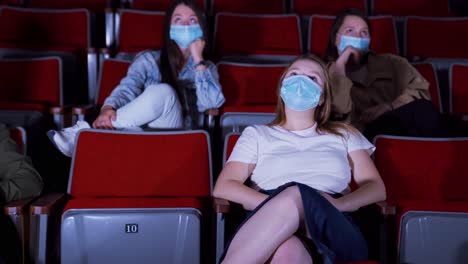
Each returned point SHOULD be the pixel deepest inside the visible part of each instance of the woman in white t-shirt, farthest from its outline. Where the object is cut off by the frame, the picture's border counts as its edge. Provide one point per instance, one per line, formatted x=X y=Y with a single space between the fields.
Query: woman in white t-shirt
x=300 y=166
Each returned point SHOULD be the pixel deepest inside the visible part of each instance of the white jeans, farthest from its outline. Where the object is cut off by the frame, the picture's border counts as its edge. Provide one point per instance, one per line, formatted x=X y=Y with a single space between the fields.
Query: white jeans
x=158 y=107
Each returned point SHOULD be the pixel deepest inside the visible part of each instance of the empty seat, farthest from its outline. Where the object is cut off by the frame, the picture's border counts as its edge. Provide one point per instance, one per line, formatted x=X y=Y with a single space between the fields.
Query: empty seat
x=11 y=2
x=249 y=6
x=33 y=85
x=325 y=7
x=97 y=9
x=112 y=72
x=426 y=180
x=384 y=36
x=44 y=32
x=458 y=96
x=158 y=5
x=144 y=207
x=410 y=8
x=250 y=92
x=273 y=36
x=444 y=38
x=138 y=31
x=428 y=71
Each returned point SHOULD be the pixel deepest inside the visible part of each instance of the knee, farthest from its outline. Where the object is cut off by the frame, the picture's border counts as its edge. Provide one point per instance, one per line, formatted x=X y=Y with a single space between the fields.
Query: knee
x=291 y=251
x=161 y=90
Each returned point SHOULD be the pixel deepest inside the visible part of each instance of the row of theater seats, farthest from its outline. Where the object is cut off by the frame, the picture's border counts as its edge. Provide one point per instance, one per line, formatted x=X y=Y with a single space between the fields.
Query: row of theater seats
x=67 y=34
x=151 y=200
x=303 y=7
x=43 y=89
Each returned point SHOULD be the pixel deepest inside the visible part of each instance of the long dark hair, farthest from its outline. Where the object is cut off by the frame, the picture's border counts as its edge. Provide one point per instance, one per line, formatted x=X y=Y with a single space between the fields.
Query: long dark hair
x=172 y=60
x=322 y=111
x=331 y=53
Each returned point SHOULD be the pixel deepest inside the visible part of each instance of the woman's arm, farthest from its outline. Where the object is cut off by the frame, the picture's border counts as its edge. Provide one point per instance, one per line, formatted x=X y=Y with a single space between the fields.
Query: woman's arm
x=371 y=187
x=230 y=185
x=209 y=93
x=340 y=84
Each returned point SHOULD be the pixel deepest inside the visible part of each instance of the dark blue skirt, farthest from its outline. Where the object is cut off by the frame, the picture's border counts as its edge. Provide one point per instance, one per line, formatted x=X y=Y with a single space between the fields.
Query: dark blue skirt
x=334 y=236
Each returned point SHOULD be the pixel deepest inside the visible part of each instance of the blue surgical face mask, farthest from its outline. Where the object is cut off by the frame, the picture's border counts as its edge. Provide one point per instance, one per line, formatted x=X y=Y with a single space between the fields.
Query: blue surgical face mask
x=361 y=44
x=185 y=34
x=300 y=93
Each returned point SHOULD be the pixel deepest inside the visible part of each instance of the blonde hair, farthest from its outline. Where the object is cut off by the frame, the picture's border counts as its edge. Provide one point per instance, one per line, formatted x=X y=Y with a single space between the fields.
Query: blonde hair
x=322 y=111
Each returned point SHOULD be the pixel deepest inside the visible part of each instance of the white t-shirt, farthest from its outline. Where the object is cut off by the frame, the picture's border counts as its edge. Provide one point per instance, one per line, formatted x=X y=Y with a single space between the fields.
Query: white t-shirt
x=281 y=156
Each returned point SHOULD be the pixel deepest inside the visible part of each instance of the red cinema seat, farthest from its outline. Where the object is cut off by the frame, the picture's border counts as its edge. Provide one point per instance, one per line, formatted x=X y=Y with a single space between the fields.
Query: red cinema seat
x=66 y=33
x=450 y=42
x=159 y=5
x=33 y=85
x=426 y=180
x=458 y=95
x=250 y=91
x=325 y=7
x=139 y=206
x=112 y=72
x=249 y=6
x=139 y=30
x=428 y=71
x=261 y=36
x=411 y=8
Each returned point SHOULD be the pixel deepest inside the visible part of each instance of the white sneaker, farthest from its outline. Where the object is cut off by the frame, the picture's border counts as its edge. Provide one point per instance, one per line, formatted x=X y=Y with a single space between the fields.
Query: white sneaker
x=64 y=139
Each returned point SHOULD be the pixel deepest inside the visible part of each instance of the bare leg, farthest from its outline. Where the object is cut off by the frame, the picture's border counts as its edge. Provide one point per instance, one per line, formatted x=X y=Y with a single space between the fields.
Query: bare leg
x=291 y=251
x=267 y=229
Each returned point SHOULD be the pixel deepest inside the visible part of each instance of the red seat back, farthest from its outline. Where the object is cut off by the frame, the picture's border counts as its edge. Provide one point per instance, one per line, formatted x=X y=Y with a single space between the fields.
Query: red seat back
x=140 y=30
x=410 y=8
x=91 y=5
x=41 y=29
x=423 y=169
x=11 y=2
x=249 y=6
x=250 y=87
x=459 y=89
x=147 y=164
x=325 y=7
x=384 y=37
x=159 y=5
x=451 y=40
x=31 y=81
x=112 y=72
x=428 y=71
x=257 y=35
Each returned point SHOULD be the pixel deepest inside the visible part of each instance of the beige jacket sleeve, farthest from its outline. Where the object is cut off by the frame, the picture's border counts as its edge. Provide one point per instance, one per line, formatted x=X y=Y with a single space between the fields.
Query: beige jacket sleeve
x=410 y=82
x=340 y=87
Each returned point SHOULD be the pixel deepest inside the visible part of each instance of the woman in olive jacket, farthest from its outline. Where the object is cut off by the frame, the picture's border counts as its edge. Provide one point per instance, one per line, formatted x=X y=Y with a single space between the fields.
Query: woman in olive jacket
x=377 y=93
